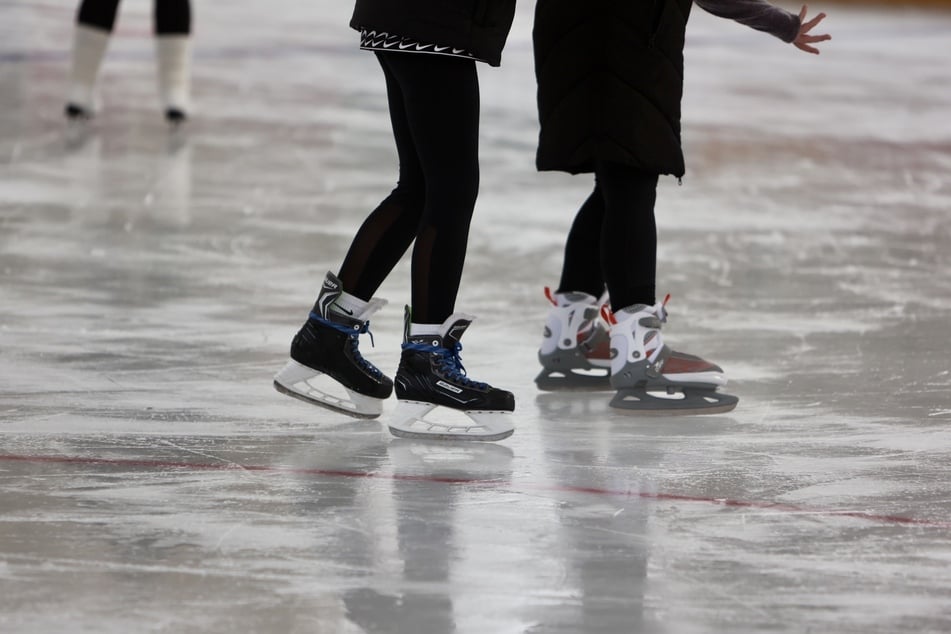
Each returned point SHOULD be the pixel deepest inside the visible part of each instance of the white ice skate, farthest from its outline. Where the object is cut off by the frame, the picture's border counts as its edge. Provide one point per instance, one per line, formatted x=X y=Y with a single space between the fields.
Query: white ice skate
x=173 y=55
x=575 y=350
x=89 y=48
x=651 y=378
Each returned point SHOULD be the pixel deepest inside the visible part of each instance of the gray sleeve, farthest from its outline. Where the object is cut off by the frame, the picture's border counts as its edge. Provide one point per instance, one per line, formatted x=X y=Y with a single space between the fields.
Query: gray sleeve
x=756 y=14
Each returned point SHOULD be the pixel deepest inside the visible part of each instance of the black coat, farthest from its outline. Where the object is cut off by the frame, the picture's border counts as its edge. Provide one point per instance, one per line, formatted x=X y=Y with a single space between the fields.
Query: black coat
x=478 y=26
x=610 y=82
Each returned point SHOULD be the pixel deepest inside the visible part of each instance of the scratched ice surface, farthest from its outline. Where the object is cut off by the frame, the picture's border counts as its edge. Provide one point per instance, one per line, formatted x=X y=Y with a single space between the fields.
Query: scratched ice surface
x=151 y=480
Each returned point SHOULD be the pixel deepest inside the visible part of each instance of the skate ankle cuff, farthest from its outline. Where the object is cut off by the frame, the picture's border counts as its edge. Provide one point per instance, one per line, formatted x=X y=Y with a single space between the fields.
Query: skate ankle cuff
x=572 y=298
x=355 y=329
x=415 y=346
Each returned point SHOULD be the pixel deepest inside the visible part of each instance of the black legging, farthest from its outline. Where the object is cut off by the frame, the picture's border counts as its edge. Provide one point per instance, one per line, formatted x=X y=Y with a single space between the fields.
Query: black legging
x=613 y=240
x=171 y=17
x=434 y=109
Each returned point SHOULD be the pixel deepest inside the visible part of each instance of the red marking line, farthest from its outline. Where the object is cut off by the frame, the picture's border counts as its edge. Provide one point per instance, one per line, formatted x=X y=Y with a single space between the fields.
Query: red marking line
x=338 y=473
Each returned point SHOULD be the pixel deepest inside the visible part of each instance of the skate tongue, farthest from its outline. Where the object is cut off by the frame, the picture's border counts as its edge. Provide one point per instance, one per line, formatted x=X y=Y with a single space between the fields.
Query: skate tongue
x=453 y=329
x=328 y=306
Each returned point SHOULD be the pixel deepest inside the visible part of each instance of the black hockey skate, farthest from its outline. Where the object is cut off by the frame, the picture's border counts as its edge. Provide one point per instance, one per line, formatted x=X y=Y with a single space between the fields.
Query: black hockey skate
x=431 y=375
x=326 y=367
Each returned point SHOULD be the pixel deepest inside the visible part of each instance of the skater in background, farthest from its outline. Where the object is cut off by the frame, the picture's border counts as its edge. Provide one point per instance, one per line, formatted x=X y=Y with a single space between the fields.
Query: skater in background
x=610 y=80
x=428 y=52
x=95 y=20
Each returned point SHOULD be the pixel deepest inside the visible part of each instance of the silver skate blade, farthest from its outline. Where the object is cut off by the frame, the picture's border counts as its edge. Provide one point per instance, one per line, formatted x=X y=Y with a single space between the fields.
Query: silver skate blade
x=334 y=405
x=410 y=421
x=308 y=385
x=673 y=402
x=598 y=379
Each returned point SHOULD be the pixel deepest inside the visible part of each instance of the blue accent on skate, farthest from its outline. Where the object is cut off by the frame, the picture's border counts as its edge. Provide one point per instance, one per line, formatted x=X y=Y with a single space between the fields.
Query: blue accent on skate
x=365 y=328
x=449 y=362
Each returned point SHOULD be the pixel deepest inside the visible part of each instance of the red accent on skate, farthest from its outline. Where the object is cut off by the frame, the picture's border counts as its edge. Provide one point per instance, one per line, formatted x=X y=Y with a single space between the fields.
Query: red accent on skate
x=550 y=297
x=666 y=299
x=678 y=363
x=584 y=332
x=607 y=315
x=493 y=483
x=601 y=348
x=594 y=341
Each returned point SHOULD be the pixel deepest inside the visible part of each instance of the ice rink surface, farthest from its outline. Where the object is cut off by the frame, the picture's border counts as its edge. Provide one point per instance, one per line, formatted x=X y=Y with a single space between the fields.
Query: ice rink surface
x=151 y=480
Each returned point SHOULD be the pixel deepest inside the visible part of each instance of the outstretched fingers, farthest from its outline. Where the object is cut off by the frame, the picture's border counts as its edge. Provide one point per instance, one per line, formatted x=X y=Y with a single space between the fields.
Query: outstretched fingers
x=803 y=39
x=802 y=43
x=807 y=26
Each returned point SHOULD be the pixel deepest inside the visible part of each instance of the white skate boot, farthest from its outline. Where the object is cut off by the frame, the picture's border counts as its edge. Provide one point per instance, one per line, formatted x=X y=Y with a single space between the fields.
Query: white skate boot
x=89 y=48
x=575 y=351
x=651 y=378
x=173 y=54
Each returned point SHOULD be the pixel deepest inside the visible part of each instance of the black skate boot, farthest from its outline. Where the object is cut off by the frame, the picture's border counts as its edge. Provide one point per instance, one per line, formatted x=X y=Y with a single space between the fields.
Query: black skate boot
x=431 y=375
x=326 y=367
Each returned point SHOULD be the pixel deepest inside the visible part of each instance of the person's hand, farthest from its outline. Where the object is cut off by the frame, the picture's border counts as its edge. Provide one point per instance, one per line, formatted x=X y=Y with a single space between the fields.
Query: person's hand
x=803 y=40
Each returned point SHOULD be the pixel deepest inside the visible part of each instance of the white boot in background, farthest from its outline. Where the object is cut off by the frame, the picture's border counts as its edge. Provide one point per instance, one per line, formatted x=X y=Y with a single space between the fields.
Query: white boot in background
x=173 y=55
x=89 y=48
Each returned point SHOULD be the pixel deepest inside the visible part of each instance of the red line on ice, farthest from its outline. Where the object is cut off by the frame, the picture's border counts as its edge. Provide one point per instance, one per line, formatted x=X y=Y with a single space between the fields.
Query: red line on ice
x=667 y=497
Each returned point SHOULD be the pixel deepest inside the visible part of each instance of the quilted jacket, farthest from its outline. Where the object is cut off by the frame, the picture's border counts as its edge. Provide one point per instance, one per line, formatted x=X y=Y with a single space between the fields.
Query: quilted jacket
x=610 y=77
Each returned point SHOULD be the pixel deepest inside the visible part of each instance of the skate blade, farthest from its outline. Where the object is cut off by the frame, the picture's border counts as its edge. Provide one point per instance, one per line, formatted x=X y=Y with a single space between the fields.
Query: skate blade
x=308 y=385
x=574 y=379
x=673 y=401
x=409 y=421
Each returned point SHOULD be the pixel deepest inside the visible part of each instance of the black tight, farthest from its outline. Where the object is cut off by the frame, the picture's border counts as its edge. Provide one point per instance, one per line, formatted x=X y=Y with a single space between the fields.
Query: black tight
x=434 y=109
x=171 y=17
x=613 y=240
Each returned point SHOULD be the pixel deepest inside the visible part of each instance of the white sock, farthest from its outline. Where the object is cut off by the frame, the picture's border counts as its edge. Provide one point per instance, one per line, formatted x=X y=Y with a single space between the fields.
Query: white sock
x=173 y=55
x=349 y=305
x=424 y=329
x=89 y=47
